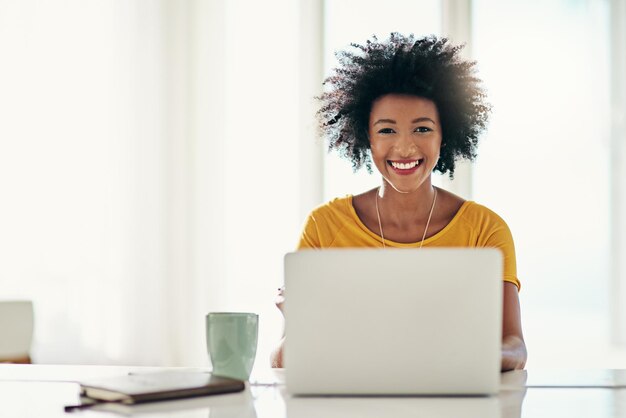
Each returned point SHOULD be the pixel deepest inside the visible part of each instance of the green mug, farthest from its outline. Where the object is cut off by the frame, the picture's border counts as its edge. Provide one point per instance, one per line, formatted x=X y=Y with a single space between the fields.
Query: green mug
x=231 y=341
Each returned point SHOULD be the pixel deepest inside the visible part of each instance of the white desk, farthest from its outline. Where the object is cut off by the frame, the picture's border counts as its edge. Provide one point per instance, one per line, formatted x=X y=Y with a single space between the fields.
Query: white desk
x=42 y=391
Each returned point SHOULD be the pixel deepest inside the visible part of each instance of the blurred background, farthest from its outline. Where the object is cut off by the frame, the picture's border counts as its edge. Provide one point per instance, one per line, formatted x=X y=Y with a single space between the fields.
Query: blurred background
x=158 y=159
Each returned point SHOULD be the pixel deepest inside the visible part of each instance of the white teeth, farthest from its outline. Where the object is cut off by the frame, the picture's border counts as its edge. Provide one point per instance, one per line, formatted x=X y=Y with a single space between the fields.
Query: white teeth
x=403 y=166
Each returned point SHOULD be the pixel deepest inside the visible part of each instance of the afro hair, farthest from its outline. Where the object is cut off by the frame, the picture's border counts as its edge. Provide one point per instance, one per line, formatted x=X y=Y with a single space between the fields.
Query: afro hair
x=427 y=67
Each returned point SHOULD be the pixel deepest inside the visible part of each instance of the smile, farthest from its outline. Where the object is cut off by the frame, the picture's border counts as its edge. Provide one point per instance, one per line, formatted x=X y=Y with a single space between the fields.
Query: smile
x=405 y=166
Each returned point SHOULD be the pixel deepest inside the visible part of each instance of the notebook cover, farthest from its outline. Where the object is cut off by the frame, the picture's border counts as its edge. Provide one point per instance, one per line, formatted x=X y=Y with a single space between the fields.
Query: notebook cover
x=147 y=387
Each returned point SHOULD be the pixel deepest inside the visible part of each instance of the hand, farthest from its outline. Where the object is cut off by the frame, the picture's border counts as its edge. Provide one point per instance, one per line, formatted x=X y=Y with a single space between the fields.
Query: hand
x=280 y=299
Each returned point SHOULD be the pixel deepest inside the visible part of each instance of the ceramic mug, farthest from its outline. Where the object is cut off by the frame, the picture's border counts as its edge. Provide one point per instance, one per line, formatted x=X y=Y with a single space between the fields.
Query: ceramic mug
x=231 y=341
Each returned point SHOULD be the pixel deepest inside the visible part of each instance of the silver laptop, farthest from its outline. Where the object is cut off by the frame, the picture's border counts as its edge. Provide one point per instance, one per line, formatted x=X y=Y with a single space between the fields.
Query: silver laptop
x=393 y=321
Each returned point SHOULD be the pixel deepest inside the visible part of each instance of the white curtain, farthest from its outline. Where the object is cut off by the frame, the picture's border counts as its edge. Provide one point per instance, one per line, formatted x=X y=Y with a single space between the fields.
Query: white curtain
x=148 y=170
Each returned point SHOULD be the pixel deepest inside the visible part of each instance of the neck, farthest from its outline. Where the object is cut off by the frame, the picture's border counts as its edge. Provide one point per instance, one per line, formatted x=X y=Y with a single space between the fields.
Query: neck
x=410 y=201
x=405 y=211
x=402 y=209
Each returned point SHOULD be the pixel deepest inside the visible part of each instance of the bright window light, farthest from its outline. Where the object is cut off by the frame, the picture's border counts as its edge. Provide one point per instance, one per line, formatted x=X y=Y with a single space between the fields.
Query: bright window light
x=543 y=164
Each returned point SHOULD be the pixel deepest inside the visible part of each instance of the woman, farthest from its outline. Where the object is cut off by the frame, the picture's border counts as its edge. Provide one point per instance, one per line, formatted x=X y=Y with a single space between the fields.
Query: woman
x=410 y=106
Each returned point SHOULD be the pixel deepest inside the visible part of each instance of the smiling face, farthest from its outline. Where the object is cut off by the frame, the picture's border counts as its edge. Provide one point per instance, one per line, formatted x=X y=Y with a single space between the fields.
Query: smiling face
x=405 y=139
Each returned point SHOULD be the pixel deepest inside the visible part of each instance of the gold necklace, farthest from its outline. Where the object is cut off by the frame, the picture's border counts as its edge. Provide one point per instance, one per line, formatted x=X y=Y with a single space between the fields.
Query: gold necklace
x=380 y=225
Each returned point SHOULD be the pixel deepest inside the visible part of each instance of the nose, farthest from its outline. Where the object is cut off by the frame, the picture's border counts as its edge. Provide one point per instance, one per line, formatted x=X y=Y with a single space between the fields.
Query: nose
x=406 y=145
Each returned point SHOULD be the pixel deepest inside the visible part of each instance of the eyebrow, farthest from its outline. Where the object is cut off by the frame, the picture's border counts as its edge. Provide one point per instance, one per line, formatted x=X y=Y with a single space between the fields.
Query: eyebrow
x=422 y=119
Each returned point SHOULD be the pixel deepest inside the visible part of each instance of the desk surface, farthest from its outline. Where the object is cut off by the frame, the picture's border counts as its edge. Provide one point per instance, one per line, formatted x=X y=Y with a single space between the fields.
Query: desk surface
x=42 y=391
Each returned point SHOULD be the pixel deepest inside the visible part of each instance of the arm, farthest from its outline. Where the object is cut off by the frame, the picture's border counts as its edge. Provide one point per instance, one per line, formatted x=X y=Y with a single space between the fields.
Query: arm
x=276 y=357
x=308 y=239
x=495 y=233
x=514 y=353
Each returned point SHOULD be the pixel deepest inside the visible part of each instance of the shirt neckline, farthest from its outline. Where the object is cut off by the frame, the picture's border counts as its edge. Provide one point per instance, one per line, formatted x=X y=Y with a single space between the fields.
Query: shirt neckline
x=432 y=238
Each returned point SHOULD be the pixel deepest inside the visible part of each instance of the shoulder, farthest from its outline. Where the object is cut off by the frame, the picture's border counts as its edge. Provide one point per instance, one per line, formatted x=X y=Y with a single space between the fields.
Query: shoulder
x=486 y=225
x=325 y=221
x=476 y=213
x=332 y=214
x=340 y=206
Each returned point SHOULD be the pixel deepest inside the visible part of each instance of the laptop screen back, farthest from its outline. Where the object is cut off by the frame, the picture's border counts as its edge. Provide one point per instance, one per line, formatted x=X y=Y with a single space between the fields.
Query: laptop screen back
x=393 y=321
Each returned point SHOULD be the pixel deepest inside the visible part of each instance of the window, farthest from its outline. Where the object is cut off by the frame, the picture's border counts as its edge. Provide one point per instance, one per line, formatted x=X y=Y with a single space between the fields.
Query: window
x=543 y=164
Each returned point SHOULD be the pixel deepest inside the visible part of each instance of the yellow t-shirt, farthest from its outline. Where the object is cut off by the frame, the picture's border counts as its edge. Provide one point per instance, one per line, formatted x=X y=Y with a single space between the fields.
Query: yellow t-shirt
x=336 y=224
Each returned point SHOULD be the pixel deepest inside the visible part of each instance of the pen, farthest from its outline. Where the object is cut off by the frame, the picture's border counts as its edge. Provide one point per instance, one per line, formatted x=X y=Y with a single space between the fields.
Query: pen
x=72 y=408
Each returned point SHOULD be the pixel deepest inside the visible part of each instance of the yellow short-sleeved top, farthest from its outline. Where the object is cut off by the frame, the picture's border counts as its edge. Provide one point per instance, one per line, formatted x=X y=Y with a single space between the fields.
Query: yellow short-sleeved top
x=336 y=224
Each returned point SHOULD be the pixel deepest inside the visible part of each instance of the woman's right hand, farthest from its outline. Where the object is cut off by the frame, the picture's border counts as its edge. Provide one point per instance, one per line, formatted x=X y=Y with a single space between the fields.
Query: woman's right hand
x=280 y=299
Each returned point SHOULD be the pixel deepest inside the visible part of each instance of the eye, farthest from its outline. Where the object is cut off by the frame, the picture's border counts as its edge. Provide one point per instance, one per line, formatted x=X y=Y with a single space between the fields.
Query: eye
x=423 y=129
x=386 y=131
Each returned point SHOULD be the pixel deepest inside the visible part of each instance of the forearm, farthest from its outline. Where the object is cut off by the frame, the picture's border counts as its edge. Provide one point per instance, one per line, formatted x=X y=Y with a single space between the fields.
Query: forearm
x=514 y=353
x=276 y=358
